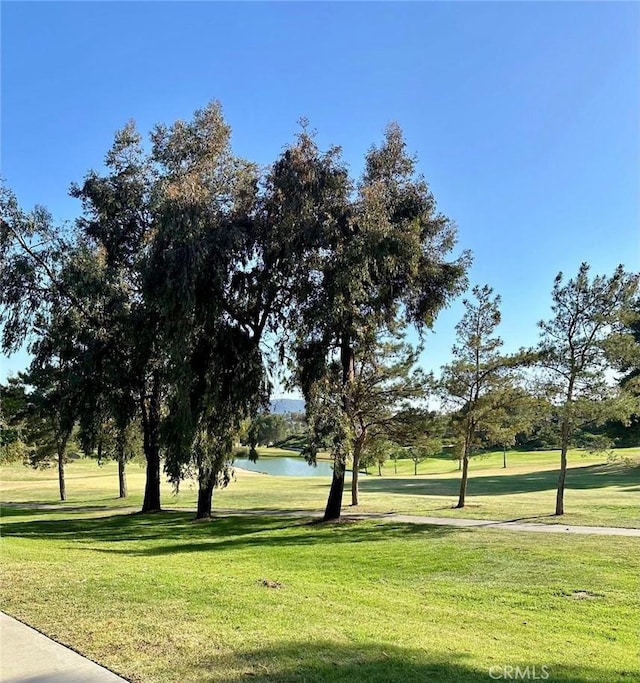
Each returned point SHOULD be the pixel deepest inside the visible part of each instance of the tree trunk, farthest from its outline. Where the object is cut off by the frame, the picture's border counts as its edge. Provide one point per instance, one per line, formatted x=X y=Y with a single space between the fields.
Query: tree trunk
x=379 y=468
x=61 y=481
x=354 y=477
x=564 y=447
x=205 y=495
x=395 y=466
x=122 y=478
x=355 y=470
x=563 y=471
x=463 y=481
x=415 y=468
x=151 y=427
x=459 y=463
x=504 y=457
x=334 y=504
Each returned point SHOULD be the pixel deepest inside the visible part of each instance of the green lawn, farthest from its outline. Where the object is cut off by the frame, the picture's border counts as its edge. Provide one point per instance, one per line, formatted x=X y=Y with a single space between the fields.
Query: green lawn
x=163 y=598
x=598 y=493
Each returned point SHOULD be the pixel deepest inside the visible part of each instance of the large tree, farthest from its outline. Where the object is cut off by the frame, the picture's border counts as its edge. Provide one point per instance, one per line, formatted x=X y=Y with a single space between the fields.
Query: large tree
x=573 y=350
x=381 y=257
x=96 y=275
x=128 y=364
x=224 y=258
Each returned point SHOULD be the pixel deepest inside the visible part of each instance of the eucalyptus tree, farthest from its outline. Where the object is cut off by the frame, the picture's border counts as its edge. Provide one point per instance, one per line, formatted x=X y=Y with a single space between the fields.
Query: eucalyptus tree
x=119 y=225
x=217 y=271
x=476 y=382
x=381 y=258
x=96 y=273
x=574 y=346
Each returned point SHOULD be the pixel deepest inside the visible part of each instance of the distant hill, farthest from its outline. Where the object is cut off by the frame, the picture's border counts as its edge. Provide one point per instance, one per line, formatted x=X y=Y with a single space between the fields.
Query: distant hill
x=287 y=405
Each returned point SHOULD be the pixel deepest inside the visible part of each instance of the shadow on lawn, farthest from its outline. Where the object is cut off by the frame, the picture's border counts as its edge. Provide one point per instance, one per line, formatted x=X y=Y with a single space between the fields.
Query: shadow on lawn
x=233 y=531
x=33 y=509
x=330 y=662
x=587 y=477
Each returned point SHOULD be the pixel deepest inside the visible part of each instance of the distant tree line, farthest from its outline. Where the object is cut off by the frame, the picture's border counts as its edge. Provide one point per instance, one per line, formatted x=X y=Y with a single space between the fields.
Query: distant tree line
x=151 y=320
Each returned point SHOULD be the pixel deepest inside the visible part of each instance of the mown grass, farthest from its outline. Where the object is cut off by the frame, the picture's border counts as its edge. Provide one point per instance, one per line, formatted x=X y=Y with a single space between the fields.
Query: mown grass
x=598 y=493
x=161 y=598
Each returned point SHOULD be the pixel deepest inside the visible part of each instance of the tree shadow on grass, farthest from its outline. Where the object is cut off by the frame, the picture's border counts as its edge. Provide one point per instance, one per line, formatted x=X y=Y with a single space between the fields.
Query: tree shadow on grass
x=330 y=662
x=215 y=535
x=31 y=509
x=586 y=477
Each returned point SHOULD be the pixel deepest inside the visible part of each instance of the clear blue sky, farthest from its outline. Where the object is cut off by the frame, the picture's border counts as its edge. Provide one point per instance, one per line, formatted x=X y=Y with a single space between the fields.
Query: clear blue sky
x=525 y=117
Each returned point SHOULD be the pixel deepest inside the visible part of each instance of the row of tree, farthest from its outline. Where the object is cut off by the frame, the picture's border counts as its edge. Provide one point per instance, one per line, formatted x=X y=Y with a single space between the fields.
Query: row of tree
x=192 y=275
x=157 y=304
x=491 y=398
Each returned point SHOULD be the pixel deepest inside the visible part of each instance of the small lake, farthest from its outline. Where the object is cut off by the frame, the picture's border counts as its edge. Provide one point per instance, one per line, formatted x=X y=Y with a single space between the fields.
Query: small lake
x=285 y=467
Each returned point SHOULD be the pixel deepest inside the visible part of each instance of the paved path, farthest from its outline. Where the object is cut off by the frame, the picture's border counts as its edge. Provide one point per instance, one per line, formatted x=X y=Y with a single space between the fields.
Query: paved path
x=514 y=525
x=27 y=656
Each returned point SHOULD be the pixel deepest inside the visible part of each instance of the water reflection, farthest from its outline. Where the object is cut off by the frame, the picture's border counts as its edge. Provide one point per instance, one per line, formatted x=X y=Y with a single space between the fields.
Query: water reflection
x=285 y=467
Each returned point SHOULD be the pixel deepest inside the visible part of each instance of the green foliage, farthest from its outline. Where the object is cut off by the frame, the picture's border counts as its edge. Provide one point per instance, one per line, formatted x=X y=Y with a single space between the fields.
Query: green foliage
x=575 y=347
x=480 y=382
x=13 y=408
x=515 y=413
x=380 y=259
x=267 y=430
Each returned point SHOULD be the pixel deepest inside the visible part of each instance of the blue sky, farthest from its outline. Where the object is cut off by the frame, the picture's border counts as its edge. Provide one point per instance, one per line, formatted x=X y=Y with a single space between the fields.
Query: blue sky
x=525 y=116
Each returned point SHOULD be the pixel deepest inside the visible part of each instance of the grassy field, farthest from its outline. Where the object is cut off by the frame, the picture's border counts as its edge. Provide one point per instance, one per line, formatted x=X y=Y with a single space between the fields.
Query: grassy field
x=598 y=493
x=161 y=598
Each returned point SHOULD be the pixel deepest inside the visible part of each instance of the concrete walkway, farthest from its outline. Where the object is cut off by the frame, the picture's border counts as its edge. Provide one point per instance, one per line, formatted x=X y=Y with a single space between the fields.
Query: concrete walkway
x=515 y=525
x=27 y=656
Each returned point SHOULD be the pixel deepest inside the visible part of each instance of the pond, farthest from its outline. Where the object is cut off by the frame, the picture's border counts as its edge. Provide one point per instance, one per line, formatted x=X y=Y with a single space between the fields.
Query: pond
x=285 y=467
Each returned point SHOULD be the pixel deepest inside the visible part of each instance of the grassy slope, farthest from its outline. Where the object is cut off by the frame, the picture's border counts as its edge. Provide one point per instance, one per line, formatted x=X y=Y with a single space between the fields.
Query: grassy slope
x=161 y=598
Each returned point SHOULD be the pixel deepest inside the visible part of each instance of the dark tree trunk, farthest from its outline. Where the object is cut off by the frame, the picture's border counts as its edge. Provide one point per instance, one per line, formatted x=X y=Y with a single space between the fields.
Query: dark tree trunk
x=463 y=481
x=205 y=495
x=395 y=466
x=564 y=447
x=563 y=471
x=355 y=470
x=122 y=477
x=504 y=457
x=415 y=468
x=151 y=427
x=379 y=468
x=61 y=481
x=334 y=504
x=459 y=464
x=354 y=480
